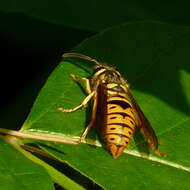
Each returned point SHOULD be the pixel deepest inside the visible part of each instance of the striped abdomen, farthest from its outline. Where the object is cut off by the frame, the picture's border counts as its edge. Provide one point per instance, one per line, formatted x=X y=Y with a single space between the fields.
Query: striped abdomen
x=119 y=119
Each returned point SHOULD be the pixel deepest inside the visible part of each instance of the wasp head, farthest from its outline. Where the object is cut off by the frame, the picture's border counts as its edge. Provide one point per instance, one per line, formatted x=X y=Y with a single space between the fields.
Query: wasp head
x=106 y=74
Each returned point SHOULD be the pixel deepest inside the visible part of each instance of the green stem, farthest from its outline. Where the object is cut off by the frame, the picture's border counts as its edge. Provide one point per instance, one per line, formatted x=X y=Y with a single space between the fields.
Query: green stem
x=56 y=176
x=50 y=138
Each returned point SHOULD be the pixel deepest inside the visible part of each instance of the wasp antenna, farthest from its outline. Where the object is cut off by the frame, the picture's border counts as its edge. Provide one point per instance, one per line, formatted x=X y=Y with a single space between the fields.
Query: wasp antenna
x=81 y=56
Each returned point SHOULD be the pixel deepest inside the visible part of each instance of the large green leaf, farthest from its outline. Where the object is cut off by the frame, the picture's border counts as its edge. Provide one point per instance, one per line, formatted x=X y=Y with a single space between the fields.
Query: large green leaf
x=154 y=57
x=99 y=14
x=17 y=172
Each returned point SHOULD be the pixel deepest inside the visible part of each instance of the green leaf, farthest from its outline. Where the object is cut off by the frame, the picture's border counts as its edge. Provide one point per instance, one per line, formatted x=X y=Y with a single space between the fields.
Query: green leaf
x=17 y=172
x=98 y=15
x=154 y=57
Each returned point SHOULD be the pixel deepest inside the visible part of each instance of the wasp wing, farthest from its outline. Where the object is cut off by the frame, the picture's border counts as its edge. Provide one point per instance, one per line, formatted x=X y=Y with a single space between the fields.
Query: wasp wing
x=145 y=127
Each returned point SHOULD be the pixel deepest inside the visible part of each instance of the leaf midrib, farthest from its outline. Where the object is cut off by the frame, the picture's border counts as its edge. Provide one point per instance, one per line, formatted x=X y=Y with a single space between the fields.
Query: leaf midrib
x=136 y=154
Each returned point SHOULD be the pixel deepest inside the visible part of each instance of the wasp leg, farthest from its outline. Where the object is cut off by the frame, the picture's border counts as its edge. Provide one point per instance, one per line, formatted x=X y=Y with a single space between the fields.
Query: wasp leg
x=92 y=121
x=93 y=116
x=87 y=81
x=85 y=101
x=159 y=153
x=153 y=144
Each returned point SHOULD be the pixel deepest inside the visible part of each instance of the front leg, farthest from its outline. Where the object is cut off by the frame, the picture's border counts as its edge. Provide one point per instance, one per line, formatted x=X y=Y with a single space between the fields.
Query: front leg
x=93 y=116
x=87 y=81
x=91 y=94
x=85 y=101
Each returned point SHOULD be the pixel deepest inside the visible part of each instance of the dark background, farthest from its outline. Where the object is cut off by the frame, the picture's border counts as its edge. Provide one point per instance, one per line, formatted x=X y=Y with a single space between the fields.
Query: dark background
x=28 y=55
x=33 y=37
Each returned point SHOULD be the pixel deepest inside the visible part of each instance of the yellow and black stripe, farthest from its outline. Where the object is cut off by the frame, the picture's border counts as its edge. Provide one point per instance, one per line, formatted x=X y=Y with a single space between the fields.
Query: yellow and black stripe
x=119 y=119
